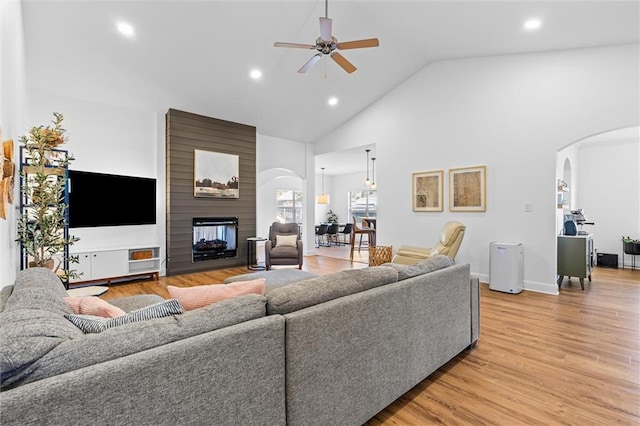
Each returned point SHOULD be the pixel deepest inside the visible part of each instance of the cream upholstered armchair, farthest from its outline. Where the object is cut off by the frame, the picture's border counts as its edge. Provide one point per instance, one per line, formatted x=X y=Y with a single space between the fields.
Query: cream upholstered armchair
x=448 y=245
x=284 y=246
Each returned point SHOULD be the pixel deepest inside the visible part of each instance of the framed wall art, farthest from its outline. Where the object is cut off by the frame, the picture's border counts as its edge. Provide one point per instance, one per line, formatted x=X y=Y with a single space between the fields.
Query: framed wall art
x=428 y=191
x=467 y=189
x=215 y=175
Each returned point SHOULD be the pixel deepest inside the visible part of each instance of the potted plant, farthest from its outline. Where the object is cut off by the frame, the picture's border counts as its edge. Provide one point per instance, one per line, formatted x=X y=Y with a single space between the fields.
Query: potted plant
x=42 y=225
x=630 y=245
x=332 y=217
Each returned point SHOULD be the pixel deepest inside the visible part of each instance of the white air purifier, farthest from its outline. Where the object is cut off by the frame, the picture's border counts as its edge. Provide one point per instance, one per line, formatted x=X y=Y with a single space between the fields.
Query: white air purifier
x=506 y=267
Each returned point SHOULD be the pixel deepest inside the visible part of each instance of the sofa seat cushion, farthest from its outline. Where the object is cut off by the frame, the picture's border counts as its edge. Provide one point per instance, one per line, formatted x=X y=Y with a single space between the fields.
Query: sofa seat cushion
x=425 y=266
x=274 y=278
x=284 y=251
x=303 y=294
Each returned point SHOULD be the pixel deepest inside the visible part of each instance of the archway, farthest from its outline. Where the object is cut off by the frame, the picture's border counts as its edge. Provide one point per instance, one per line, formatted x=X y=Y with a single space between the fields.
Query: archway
x=602 y=174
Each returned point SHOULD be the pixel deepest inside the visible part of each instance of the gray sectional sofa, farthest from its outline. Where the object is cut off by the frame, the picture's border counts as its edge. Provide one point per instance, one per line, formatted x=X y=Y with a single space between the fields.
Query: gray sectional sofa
x=334 y=349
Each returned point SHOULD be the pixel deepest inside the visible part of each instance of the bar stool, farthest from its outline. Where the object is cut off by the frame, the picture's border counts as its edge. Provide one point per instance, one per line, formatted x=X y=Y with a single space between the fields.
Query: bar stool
x=369 y=232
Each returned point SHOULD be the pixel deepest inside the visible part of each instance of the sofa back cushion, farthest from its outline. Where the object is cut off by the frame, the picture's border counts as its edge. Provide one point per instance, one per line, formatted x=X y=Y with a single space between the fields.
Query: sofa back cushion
x=311 y=292
x=433 y=263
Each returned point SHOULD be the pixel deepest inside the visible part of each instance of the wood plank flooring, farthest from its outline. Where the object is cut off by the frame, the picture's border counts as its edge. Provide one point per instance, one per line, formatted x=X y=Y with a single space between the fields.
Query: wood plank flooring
x=572 y=359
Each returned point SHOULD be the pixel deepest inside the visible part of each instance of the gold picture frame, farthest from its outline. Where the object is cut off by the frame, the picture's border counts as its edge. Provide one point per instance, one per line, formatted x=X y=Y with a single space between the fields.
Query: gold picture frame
x=468 y=189
x=428 y=188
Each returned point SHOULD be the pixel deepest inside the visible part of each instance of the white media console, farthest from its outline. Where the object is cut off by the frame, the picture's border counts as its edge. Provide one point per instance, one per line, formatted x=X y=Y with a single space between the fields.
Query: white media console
x=116 y=264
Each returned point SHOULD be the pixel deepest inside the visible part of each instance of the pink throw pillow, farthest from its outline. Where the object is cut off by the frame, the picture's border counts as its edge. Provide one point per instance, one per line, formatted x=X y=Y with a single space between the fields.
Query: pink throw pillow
x=203 y=295
x=93 y=305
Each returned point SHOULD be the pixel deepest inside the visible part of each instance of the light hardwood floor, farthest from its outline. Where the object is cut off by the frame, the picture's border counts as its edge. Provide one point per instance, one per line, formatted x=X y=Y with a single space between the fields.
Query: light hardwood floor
x=571 y=359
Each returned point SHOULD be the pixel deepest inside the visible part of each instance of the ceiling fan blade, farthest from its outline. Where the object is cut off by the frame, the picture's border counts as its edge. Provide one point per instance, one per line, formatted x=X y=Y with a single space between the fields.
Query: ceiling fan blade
x=311 y=62
x=358 y=44
x=340 y=60
x=297 y=45
x=325 y=28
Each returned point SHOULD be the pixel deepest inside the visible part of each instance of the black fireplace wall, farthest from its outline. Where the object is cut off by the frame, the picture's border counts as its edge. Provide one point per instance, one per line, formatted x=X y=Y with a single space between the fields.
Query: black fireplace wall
x=186 y=132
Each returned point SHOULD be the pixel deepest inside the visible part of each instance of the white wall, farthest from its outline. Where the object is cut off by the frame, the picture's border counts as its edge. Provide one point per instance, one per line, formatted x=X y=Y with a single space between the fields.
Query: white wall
x=283 y=164
x=569 y=154
x=339 y=187
x=510 y=113
x=13 y=100
x=608 y=188
x=114 y=140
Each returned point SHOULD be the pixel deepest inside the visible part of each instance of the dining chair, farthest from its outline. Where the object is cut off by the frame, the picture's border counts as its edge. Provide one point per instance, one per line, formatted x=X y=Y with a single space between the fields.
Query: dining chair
x=321 y=232
x=332 y=233
x=345 y=231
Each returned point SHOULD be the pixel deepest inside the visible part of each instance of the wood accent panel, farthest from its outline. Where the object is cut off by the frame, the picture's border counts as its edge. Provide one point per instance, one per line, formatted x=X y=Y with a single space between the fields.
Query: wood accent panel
x=571 y=359
x=187 y=132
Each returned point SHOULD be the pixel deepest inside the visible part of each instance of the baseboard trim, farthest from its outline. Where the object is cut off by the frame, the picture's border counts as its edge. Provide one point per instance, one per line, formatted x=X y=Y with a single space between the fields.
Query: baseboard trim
x=538 y=287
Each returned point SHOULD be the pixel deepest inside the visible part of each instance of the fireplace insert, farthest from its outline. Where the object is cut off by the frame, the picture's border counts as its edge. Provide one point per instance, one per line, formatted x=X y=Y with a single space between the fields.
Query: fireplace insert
x=214 y=238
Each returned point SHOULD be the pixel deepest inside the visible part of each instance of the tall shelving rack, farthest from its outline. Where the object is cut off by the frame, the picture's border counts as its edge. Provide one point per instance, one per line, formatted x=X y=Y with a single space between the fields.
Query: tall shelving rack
x=53 y=171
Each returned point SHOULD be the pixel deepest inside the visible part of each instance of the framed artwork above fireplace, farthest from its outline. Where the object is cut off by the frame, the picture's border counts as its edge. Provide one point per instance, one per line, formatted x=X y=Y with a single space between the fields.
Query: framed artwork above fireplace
x=215 y=174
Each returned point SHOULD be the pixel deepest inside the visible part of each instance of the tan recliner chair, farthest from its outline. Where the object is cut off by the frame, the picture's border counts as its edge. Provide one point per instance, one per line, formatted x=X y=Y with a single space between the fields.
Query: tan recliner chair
x=448 y=245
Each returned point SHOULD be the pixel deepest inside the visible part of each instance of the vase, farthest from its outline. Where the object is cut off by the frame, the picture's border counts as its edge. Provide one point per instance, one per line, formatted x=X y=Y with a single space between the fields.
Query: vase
x=49 y=263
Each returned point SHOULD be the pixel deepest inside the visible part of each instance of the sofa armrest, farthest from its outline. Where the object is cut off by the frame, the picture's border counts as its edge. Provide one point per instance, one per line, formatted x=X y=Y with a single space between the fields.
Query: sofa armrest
x=268 y=245
x=475 y=309
x=300 y=252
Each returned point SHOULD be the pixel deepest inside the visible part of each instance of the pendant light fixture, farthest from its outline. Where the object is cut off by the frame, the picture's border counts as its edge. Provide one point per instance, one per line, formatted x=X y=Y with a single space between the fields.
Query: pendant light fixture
x=373 y=173
x=367 y=182
x=322 y=198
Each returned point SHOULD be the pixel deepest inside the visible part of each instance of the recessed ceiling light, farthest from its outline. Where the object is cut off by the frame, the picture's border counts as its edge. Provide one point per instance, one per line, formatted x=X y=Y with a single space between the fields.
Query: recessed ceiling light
x=532 y=24
x=125 y=29
x=256 y=74
x=333 y=101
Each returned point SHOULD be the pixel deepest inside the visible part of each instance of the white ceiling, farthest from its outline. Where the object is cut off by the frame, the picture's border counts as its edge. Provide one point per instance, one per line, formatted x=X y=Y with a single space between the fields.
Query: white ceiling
x=197 y=55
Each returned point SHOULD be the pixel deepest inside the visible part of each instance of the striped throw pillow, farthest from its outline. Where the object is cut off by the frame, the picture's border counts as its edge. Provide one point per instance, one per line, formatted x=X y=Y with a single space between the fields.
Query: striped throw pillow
x=92 y=324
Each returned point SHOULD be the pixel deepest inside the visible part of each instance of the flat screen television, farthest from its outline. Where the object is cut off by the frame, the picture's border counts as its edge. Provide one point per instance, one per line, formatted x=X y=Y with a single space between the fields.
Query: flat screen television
x=98 y=199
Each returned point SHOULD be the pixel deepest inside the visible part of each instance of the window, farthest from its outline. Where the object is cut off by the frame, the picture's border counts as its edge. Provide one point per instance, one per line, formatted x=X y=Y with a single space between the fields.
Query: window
x=289 y=205
x=362 y=204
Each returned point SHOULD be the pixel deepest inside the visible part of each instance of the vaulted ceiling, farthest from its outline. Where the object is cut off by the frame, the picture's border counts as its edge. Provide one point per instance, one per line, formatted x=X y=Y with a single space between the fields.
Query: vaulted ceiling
x=197 y=55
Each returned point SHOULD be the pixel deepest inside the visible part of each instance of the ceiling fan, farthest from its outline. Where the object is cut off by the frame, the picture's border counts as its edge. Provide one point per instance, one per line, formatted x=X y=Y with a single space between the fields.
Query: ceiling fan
x=326 y=44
